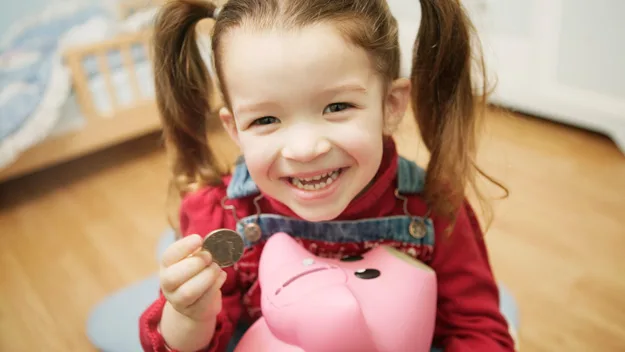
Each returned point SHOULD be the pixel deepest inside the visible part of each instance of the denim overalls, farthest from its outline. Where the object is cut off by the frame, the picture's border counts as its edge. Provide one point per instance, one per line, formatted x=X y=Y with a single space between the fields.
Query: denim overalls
x=410 y=181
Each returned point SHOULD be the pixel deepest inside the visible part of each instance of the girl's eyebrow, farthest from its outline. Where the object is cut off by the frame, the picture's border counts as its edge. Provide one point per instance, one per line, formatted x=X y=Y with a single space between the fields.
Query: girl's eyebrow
x=350 y=87
x=255 y=107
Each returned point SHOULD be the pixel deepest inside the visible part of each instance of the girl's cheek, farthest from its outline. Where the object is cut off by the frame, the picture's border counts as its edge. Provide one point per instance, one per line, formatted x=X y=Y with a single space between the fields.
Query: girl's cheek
x=358 y=133
x=258 y=151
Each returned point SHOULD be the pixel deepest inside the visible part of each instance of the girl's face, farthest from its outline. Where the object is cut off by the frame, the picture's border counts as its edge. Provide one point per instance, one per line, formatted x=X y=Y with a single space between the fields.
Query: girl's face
x=309 y=114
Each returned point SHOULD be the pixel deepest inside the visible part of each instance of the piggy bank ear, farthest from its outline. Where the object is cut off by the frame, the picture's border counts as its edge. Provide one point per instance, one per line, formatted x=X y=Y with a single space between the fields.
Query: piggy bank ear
x=280 y=250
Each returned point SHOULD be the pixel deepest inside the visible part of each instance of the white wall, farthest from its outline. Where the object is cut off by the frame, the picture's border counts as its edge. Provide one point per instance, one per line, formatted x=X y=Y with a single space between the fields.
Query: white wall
x=559 y=59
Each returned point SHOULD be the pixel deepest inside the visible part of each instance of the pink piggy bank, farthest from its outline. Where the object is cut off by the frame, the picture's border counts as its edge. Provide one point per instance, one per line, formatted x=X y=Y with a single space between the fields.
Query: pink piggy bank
x=384 y=300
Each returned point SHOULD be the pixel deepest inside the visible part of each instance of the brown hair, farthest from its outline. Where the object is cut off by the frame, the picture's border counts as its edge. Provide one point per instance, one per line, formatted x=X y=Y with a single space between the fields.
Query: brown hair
x=445 y=104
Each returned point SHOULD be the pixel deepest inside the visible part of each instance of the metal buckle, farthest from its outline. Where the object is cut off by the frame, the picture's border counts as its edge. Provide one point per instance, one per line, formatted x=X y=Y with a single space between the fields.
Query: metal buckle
x=251 y=231
x=417 y=228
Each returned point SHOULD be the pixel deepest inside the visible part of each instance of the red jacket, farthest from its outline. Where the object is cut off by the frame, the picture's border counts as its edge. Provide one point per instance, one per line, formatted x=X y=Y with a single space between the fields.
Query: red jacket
x=468 y=315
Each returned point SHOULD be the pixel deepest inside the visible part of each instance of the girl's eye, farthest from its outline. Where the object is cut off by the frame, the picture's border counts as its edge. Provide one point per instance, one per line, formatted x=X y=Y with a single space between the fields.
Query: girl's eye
x=265 y=120
x=336 y=107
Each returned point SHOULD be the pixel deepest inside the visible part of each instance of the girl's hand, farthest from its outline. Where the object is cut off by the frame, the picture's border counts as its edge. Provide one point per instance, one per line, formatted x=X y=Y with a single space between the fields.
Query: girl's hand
x=190 y=280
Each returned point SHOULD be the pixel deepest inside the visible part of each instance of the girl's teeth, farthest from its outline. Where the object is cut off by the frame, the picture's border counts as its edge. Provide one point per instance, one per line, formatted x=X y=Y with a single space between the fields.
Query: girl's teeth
x=317 y=178
x=329 y=178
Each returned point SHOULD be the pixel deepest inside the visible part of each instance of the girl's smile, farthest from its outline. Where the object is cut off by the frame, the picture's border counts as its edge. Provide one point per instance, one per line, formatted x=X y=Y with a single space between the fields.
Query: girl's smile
x=312 y=181
x=317 y=187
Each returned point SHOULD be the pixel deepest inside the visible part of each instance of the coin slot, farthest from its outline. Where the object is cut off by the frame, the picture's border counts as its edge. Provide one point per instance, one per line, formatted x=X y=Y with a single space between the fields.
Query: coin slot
x=308 y=272
x=352 y=258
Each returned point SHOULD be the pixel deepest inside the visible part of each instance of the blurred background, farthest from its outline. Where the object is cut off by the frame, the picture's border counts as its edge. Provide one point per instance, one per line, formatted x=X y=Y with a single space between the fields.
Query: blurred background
x=84 y=178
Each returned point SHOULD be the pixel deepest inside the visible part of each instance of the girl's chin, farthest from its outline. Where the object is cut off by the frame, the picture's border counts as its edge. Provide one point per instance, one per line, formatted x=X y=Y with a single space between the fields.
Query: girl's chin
x=317 y=214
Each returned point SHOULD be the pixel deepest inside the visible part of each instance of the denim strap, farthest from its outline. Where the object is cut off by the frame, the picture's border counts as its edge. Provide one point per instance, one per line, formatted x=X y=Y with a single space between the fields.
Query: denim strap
x=241 y=185
x=410 y=177
x=389 y=228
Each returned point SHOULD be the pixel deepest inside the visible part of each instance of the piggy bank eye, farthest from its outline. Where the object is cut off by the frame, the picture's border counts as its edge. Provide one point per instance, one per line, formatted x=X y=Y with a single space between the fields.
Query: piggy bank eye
x=367 y=274
x=352 y=258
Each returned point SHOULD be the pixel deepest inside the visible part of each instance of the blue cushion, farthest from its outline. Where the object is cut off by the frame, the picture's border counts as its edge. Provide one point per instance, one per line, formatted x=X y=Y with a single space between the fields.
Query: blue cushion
x=113 y=325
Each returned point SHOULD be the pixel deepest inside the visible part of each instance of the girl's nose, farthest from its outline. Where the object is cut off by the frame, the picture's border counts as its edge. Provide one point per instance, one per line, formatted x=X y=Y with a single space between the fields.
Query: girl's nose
x=304 y=150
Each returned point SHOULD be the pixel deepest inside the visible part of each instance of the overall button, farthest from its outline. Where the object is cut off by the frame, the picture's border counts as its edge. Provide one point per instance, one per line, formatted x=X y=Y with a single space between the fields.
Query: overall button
x=417 y=229
x=252 y=232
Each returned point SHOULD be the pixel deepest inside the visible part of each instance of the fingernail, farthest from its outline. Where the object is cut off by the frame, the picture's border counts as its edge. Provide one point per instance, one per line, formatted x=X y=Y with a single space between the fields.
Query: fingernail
x=197 y=238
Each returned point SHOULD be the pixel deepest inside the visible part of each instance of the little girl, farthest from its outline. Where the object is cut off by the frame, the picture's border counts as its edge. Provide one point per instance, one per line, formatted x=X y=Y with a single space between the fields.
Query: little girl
x=312 y=96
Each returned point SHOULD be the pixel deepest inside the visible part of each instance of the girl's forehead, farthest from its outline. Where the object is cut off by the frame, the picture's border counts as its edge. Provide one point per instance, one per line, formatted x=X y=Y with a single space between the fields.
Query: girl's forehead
x=311 y=57
x=278 y=49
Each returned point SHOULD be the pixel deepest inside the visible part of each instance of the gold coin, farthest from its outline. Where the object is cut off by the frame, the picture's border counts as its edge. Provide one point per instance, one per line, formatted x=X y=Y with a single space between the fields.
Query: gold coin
x=226 y=247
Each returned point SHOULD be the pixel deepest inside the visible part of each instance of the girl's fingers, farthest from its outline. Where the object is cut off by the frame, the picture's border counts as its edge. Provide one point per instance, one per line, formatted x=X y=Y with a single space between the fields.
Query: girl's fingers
x=178 y=273
x=219 y=282
x=207 y=297
x=194 y=288
x=181 y=249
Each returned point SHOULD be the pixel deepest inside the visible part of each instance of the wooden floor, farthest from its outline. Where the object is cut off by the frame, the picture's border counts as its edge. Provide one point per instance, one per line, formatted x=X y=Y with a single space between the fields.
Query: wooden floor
x=73 y=234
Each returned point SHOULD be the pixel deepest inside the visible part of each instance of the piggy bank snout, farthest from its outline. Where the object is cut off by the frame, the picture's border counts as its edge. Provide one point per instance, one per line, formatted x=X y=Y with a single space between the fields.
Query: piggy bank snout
x=331 y=319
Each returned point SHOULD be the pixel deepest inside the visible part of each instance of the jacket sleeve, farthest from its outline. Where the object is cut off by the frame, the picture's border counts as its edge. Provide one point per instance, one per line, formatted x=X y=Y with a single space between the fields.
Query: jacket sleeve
x=468 y=316
x=200 y=213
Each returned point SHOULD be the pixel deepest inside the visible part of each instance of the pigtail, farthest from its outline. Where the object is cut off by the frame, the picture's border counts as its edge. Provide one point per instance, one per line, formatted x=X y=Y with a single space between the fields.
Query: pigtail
x=447 y=109
x=183 y=93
